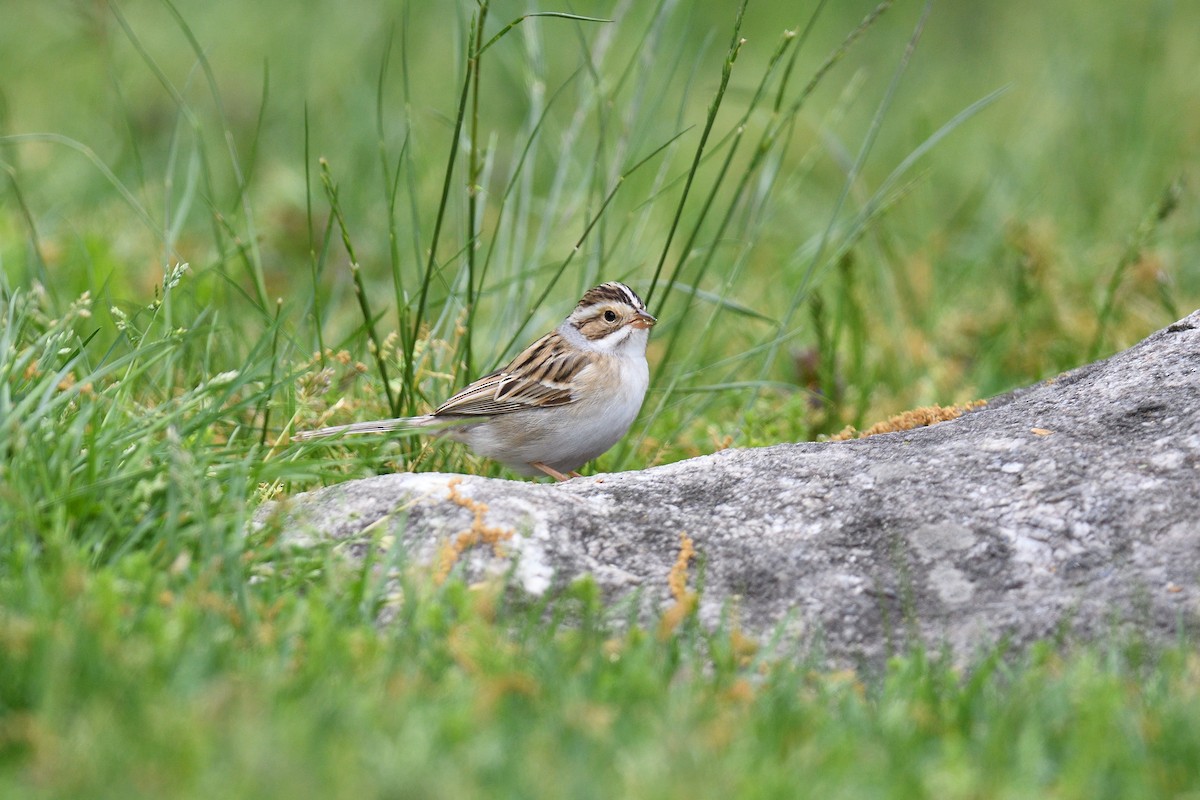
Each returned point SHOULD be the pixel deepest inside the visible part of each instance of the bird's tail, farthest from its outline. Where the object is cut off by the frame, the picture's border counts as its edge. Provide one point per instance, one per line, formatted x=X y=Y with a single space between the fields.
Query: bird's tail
x=373 y=426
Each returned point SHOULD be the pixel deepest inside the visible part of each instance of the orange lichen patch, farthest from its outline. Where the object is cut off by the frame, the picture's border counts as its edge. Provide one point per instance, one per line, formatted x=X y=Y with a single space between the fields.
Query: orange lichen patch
x=685 y=599
x=479 y=532
x=677 y=578
x=446 y=558
x=916 y=418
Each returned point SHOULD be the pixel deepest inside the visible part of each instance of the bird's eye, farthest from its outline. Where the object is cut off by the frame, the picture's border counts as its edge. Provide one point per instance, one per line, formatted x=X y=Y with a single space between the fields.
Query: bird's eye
x=610 y=316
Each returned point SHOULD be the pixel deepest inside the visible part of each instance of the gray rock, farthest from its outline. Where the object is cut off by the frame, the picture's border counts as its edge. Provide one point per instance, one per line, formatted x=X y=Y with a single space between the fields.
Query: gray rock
x=962 y=533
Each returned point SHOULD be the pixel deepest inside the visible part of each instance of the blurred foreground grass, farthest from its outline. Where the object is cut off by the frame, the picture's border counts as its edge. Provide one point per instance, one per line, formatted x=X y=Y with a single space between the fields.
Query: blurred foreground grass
x=144 y=682
x=183 y=190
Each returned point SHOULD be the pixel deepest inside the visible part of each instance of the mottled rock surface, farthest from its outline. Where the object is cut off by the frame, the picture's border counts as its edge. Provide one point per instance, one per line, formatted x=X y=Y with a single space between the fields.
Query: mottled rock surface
x=1072 y=506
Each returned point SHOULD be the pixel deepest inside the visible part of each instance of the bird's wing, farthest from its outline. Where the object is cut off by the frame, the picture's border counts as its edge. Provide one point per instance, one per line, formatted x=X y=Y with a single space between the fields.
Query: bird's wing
x=541 y=376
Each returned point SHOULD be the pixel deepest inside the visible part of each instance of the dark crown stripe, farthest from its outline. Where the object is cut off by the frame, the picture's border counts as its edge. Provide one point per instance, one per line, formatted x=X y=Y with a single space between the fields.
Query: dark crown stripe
x=611 y=293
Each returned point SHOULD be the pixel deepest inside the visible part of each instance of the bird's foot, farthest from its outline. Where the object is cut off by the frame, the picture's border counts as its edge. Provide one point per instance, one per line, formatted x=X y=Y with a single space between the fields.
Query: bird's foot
x=552 y=472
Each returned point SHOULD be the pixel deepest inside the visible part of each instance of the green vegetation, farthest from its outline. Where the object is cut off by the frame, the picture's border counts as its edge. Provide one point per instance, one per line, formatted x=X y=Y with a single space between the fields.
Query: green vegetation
x=874 y=221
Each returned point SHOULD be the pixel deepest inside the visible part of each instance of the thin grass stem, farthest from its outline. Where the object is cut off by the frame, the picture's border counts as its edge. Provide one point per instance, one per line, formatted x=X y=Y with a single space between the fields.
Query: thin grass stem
x=360 y=291
x=735 y=47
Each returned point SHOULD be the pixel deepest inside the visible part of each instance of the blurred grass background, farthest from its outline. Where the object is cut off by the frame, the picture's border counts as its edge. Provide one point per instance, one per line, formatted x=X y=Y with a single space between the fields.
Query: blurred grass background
x=932 y=220
x=988 y=266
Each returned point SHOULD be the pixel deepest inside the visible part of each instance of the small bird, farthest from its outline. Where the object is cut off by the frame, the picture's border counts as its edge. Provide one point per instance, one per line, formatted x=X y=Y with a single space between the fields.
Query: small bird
x=567 y=398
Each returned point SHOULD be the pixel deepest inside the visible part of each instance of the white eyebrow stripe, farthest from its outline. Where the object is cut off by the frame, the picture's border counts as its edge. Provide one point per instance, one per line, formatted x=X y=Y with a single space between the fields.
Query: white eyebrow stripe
x=630 y=296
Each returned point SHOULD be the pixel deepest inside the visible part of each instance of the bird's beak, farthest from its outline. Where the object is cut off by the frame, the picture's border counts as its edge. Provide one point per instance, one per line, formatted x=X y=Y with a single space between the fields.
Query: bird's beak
x=643 y=321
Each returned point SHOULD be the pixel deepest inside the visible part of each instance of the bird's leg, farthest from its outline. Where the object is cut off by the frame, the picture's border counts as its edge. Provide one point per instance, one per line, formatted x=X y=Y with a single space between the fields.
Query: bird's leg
x=575 y=474
x=551 y=471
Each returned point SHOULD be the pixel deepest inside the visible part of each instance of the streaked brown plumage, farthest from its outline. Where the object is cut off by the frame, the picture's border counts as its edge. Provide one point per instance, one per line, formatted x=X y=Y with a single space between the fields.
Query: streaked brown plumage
x=561 y=402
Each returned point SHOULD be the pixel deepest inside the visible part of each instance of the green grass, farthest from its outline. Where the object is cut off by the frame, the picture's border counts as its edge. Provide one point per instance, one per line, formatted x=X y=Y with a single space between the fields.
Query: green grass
x=143 y=681
x=833 y=226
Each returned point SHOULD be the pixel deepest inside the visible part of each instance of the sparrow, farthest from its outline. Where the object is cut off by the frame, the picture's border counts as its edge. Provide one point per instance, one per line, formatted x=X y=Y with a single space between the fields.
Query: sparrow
x=564 y=400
